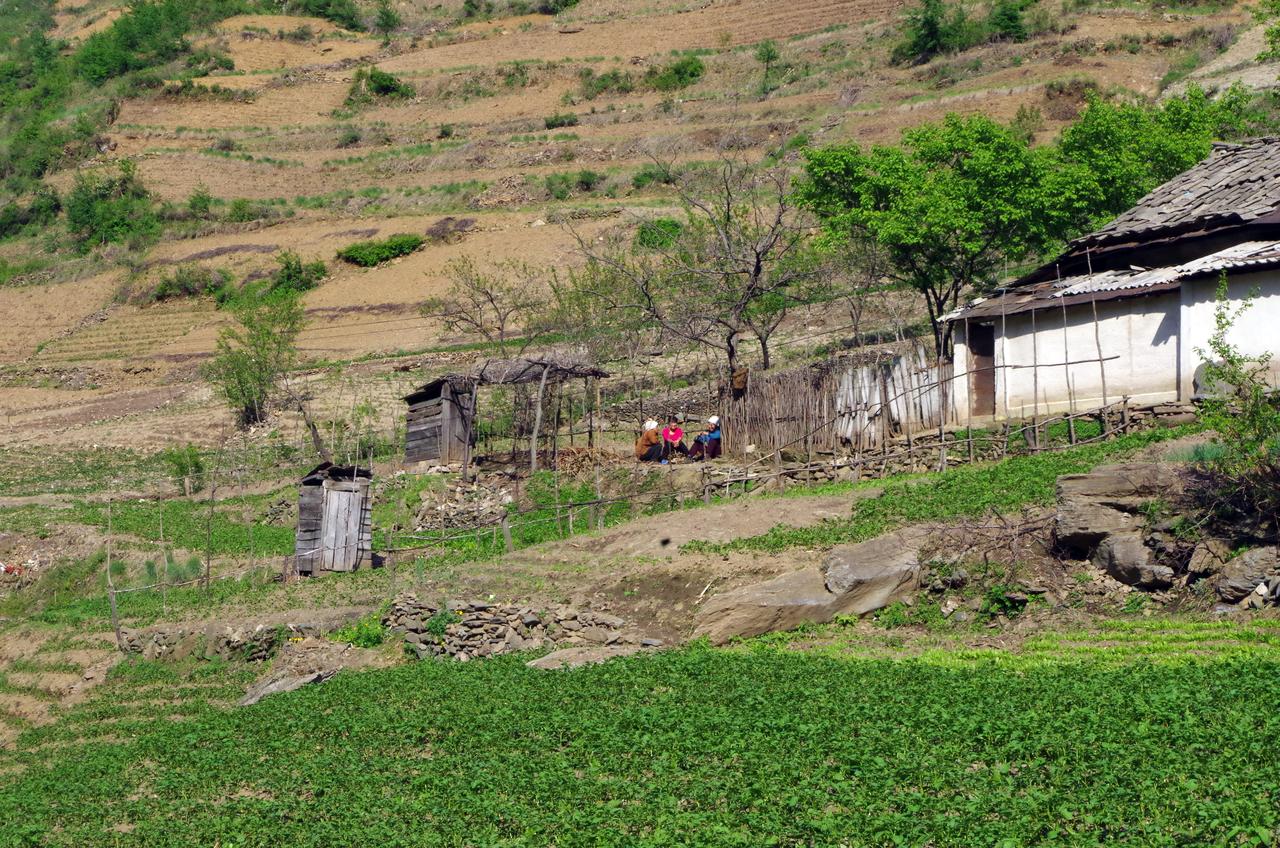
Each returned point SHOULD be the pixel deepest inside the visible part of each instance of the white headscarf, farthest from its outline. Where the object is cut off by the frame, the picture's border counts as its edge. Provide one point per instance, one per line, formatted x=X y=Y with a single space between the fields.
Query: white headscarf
x=650 y=424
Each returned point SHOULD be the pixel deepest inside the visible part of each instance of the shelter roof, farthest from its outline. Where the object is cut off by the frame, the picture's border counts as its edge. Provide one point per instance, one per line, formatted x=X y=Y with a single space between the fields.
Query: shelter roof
x=1236 y=184
x=329 y=471
x=1116 y=284
x=505 y=372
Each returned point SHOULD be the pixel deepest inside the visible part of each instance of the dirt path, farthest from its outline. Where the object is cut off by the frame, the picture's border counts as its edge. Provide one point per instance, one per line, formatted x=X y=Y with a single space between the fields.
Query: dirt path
x=662 y=535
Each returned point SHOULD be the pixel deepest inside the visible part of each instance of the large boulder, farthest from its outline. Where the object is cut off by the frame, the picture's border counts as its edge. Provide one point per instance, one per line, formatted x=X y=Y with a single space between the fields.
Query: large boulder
x=1242 y=575
x=1208 y=557
x=312 y=660
x=1107 y=500
x=1127 y=559
x=853 y=580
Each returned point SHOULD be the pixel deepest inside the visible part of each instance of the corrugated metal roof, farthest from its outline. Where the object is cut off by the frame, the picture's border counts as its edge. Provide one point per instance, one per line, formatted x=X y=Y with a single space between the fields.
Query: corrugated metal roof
x=1113 y=284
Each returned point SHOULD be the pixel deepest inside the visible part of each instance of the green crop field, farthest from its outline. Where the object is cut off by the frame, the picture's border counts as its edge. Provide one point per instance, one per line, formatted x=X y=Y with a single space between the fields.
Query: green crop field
x=760 y=745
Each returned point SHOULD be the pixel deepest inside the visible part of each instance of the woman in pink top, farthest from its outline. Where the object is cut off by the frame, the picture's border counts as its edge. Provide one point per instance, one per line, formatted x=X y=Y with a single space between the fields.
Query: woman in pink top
x=673 y=438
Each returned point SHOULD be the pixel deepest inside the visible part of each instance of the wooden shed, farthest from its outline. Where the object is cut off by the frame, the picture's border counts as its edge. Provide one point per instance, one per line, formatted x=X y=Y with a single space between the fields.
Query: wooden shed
x=335 y=529
x=438 y=423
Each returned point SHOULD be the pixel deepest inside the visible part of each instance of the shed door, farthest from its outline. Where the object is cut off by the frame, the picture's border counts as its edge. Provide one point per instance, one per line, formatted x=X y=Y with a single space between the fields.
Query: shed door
x=343 y=507
x=982 y=368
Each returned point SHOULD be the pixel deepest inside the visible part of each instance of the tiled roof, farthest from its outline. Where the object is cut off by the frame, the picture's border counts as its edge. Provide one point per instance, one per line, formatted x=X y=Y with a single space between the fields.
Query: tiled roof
x=1114 y=284
x=1237 y=183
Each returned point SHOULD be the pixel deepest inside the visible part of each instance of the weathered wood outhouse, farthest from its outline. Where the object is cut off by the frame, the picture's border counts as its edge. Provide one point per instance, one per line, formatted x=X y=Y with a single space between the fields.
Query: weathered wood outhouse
x=335 y=529
x=438 y=423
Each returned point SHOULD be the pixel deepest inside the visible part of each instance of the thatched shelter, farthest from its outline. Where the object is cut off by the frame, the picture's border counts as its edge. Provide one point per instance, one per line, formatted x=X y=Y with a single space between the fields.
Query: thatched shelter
x=335 y=530
x=440 y=421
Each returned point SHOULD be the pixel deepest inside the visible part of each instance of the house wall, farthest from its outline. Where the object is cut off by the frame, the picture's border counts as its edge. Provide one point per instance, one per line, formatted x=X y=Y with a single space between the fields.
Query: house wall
x=1138 y=339
x=1255 y=331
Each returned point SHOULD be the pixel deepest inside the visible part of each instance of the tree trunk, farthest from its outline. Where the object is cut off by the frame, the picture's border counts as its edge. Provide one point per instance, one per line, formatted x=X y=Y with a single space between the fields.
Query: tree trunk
x=764 y=353
x=537 y=421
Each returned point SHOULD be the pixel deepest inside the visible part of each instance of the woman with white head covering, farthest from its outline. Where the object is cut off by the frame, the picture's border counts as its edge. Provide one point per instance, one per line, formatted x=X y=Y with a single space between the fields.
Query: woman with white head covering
x=649 y=445
x=707 y=444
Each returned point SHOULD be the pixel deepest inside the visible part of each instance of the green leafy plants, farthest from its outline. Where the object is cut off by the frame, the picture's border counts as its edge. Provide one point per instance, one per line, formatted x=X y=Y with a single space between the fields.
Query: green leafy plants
x=293 y=276
x=186 y=467
x=369 y=85
x=566 y=119
x=652 y=173
x=658 y=233
x=374 y=252
x=679 y=74
x=366 y=632
x=102 y=209
x=190 y=281
x=614 y=81
x=253 y=353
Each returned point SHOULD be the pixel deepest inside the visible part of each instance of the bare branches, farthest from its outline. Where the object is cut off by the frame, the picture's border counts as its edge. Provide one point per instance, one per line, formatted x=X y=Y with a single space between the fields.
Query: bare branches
x=503 y=305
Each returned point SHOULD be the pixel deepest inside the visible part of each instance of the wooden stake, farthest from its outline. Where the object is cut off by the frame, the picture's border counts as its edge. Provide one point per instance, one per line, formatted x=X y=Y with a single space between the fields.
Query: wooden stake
x=164 y=566
x=111 y=588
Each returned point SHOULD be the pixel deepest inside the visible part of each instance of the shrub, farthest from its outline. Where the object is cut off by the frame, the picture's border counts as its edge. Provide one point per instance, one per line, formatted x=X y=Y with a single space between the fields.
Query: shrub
x=933 y=28
x=658 y=234
x=200 y=203
x=445 y=131
x=1006 y=21
x=681 y=73
x=559 y=186
x=296 y=276
x=186 y=467
x=370 y=84
x=342 y=12
x=588 y=180
x=591 y=85
x=254 y=352
x=42 y=210
x=103 y=209
x=652 y=173
x=367 y=254
x=190 y=281
x=555 y=7
x=567 y=119
x=348 y=137
x=242 y=211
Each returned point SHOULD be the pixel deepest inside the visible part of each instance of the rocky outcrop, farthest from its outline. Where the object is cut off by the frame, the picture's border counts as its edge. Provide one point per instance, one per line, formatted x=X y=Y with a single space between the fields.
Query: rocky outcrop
x=467 y=630
x=310 y=661
x=1126 y=557
x=852 y=580
x=248 y=640
x=1106 y=501
x=1242 y=575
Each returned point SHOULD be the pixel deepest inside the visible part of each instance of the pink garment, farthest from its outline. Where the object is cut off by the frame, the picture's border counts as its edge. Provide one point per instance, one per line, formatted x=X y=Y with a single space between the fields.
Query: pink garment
x=672 y=434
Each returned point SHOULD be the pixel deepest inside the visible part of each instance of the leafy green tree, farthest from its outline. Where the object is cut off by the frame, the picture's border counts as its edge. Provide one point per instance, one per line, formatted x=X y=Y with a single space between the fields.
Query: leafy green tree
x=1130 y=148
x=766 y=54
x=386 y=20
x=1006 y=21
x=255 y=352
x=948 y=207
x=103 y=209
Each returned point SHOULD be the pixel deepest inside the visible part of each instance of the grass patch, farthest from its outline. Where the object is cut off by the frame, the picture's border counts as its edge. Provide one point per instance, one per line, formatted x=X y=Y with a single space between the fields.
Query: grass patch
x=367 y=254
x=740 y=748
x=969 y=491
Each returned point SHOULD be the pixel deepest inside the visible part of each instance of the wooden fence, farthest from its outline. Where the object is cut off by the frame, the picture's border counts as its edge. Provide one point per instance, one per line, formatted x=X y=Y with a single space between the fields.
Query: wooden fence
x=855 y=403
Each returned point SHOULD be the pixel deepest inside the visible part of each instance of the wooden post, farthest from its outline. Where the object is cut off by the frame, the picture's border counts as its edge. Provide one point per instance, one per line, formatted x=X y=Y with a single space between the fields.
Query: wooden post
x=466 y=444
x=164 y=568
x=391 y=574
x=111 y=588
x=506 y=533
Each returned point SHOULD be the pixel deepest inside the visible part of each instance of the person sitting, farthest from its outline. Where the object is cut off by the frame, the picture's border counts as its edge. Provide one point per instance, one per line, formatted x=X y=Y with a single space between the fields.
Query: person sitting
x=673 y=438
x=706 y=445
x=649 y=445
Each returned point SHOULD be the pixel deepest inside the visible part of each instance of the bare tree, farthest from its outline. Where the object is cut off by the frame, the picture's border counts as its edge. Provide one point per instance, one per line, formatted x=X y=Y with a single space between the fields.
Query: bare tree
x=730 y=271
x=503 y=305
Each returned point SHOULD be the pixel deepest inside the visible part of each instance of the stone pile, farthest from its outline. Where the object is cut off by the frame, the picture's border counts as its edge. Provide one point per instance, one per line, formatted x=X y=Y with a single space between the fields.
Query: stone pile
x=462 y=505
x=467 y=630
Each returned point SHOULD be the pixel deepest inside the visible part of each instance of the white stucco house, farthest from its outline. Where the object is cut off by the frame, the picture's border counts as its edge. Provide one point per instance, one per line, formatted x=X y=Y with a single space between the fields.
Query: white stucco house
x=1137 y=294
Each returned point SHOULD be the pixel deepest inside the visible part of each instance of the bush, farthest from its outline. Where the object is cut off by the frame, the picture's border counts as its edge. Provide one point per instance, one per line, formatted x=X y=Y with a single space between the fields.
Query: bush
x=1006 y=21
x=558 y=120
x=370 y=84
x=591 y=85
x=42 y=210
x=366 y=632
x=348 y=137
x=255 y=351
x=445 y=131
x=681 y=73
x=186 y=467
x=652 y=173
x=191 y=281
x=658 y=234
x=342 y=12
x=118 y=208
x=295 y=276
x=242 y=211
x=555 y=7
x=200 y=203
x=559 y=186
x=588 y=180
x=367 y=254
x=933 y=28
